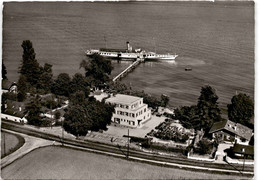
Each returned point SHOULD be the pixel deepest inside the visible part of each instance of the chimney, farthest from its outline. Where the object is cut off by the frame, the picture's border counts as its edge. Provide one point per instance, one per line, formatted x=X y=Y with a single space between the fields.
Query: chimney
x=129 y=48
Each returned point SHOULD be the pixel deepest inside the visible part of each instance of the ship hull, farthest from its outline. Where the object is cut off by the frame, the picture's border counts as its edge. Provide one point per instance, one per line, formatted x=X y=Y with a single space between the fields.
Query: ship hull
x=128 y=54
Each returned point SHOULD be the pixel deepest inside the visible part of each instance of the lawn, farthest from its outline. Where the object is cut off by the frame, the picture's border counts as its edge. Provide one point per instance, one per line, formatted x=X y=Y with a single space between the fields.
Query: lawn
x=62 y=163
x=12 y=143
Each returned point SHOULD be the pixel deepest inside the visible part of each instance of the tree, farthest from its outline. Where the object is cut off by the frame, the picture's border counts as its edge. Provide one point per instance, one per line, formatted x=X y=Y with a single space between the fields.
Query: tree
x=188 y=116
x=79 y=83
x=77 y=121
x=4 y=72
x=204 y=146
x=30 y=68
x=78 y=98
x=241 y=109
x=22 y=87
x=208 y=110
x=57 y=115
x=101 y=115
x=3 y=102
x=97 y=69
x=61 y=85
x=33 y=111
x=83 y=115
x=45 y=80
x=164 y=100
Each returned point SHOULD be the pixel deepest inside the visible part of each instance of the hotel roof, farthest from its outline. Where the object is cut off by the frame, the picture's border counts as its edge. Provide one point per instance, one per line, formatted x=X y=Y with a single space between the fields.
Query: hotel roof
x=123 y=99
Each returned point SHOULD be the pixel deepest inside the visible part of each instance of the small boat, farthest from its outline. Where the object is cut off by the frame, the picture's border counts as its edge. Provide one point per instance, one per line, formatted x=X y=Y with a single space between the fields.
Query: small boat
x=188 y=69
x=129 y=54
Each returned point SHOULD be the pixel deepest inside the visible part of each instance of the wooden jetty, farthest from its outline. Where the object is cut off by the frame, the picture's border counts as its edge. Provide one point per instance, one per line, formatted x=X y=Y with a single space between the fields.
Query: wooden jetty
x=128 y=69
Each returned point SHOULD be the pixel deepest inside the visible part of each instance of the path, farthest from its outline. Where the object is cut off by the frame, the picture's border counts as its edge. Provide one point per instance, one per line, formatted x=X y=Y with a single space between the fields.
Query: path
x=128 y=69
x=30 y=144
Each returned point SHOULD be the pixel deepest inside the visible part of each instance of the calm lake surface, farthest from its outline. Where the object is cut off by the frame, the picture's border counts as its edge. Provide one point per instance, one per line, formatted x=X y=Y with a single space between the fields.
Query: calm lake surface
x=215 y=39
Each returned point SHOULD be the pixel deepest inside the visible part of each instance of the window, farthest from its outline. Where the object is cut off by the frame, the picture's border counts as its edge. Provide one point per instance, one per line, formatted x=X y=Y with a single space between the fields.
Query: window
x=136 y=114
x=133 y=115
x=126 y=113
x=133 y=123
x=144 y=109
x=243 y=139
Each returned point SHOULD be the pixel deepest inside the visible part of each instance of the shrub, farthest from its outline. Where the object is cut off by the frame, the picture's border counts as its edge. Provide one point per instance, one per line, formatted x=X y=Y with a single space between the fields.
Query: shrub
x=204 y=146
x=57 y=115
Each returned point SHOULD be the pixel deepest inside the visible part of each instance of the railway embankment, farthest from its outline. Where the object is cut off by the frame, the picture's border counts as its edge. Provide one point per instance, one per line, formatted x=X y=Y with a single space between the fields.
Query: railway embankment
x=134 y=155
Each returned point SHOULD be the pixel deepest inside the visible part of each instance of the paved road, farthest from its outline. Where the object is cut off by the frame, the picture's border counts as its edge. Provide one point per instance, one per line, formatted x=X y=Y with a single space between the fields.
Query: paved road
x=169 y=161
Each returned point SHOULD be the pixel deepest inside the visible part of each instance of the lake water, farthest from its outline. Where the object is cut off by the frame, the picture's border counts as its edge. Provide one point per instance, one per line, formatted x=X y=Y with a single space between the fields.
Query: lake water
x=215 y=39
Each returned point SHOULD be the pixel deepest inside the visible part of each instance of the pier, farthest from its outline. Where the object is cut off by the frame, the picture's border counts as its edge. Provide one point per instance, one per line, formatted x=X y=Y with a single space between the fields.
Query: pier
x=128 y=69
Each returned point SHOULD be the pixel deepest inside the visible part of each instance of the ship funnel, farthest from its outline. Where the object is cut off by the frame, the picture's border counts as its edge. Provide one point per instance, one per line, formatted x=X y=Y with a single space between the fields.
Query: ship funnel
x=129 y=48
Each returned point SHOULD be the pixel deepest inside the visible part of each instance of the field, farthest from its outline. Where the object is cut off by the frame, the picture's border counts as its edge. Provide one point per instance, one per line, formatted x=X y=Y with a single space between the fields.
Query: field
x=62 y=163
x=12 y=143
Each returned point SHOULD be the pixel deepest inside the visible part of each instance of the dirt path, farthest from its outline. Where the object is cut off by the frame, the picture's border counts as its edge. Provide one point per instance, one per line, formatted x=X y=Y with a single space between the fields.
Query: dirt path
x=30 y=144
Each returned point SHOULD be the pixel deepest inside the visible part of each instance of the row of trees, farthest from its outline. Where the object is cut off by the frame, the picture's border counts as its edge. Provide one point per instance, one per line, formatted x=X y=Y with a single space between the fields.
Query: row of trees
x=33 y=77
x=207 y=112
x=37 y=79
x=83 y=113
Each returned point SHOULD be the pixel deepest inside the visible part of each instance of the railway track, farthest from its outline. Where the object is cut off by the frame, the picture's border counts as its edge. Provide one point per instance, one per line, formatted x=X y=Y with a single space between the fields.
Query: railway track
x=171 y=161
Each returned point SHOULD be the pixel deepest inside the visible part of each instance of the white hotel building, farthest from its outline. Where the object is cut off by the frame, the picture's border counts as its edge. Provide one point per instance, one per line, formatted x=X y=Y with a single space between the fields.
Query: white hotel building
x=129 y=110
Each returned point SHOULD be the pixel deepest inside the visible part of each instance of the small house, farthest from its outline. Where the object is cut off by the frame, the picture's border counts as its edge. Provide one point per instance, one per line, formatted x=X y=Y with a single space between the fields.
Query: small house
x=228 y=131
x=9 y=86
x=243 y=151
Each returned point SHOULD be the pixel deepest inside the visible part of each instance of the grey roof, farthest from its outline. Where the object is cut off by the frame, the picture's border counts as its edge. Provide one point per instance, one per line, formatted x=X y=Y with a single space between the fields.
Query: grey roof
x=243 y=149
x=236 y=128
x=123 y=99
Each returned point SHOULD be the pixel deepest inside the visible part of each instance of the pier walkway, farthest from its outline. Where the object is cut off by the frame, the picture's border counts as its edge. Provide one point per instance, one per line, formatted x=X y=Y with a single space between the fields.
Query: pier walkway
x=128 y=69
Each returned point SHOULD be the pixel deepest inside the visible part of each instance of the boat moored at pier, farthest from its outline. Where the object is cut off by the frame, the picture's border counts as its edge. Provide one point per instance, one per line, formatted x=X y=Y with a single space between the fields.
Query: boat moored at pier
x=129 y=54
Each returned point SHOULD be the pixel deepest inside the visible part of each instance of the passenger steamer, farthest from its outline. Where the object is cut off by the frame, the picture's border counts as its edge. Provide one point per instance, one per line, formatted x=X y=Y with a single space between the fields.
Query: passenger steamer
x=129 y=54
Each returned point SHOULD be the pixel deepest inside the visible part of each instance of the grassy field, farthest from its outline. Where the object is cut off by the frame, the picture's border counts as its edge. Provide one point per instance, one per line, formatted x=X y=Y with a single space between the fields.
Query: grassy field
x=63 y=163
x=12 y=143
